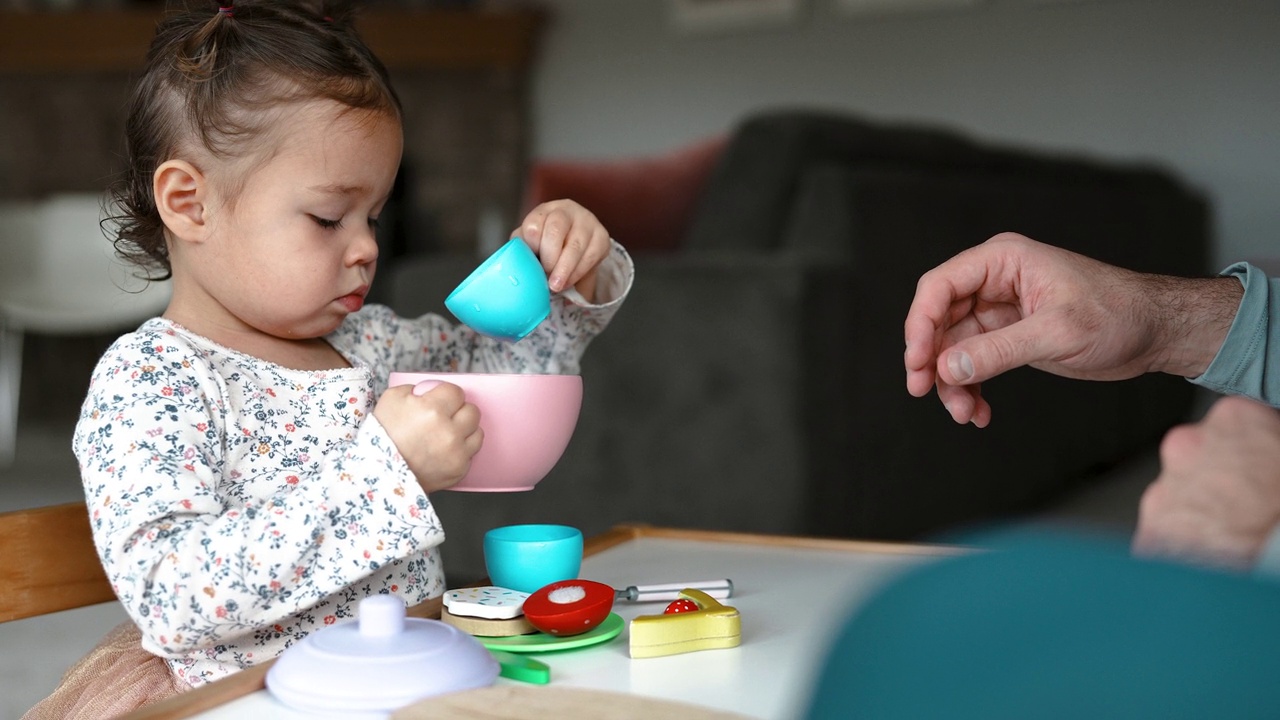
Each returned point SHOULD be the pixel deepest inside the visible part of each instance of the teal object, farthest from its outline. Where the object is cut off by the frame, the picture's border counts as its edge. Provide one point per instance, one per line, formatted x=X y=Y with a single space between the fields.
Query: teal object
x=506 y=297
x=529 y=557
x=1057 y=626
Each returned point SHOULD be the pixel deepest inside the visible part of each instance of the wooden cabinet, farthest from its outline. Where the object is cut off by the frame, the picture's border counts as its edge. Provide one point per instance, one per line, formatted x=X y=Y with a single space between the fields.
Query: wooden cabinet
x=107 y=41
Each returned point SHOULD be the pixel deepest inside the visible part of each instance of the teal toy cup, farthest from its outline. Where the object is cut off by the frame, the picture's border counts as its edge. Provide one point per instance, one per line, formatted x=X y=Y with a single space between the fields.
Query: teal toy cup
x=527 y=558
x=506 y=297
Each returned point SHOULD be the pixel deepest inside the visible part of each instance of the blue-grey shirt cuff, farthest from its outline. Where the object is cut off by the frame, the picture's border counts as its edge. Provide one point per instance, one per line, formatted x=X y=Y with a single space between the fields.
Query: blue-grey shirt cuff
x=1239 y=367
x=1268 y=563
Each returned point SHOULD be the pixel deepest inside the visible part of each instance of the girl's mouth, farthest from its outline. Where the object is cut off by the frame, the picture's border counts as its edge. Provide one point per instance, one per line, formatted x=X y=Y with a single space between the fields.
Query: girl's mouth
x=352 y=302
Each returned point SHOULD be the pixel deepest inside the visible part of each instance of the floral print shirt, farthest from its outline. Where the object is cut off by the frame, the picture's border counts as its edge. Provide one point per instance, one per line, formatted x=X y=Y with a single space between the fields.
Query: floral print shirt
x=237 y=505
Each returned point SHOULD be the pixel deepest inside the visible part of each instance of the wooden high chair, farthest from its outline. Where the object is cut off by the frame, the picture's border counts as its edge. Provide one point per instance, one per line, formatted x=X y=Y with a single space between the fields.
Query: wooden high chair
x=48 y=562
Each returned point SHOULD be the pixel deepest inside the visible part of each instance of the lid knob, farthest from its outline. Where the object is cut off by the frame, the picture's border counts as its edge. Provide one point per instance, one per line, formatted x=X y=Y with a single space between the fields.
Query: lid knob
x=381 y=616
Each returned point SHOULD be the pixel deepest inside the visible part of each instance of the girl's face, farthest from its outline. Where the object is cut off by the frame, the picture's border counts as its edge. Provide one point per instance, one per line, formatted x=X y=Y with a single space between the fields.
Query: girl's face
x=293 y=252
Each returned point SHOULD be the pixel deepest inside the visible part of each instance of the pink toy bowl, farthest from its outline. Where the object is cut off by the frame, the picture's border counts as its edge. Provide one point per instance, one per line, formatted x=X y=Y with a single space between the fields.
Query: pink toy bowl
x=527 y=422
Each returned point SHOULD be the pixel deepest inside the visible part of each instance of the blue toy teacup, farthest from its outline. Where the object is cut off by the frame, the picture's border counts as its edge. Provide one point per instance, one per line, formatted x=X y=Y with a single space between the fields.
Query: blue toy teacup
x=527 y=558
x=506 y=297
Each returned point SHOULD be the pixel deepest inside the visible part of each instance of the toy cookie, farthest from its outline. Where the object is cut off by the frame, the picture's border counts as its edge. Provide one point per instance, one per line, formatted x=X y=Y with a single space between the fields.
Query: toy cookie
x=490 y=602
x=487 y=611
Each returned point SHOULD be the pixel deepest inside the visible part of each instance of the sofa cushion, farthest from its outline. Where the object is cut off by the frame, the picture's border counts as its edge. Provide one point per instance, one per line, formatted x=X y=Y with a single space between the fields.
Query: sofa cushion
x=645 y=203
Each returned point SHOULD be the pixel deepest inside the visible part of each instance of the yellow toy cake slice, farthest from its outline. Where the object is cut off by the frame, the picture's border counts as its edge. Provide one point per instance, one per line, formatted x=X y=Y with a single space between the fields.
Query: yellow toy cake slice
x=712 y=626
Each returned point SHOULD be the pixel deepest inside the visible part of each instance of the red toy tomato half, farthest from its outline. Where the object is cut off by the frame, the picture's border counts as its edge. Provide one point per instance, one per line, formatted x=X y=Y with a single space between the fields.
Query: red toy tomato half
x=569 y=607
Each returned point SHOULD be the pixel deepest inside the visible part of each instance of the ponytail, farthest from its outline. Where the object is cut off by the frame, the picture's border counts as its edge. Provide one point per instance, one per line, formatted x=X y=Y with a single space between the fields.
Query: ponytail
x=198 y=58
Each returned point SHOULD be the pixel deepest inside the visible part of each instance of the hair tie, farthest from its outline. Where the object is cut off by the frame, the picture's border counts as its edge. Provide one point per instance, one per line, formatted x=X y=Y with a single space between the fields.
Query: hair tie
x=227 y=10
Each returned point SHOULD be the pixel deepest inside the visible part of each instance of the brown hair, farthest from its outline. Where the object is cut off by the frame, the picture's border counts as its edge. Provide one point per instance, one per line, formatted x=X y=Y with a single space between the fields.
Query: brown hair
x=209 y=76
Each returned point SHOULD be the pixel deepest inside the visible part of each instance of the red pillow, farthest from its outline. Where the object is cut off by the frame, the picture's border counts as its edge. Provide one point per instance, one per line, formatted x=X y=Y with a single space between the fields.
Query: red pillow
x=645 y=203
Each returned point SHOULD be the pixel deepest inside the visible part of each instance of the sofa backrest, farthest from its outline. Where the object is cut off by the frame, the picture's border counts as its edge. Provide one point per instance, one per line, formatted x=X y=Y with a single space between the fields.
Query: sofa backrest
x=895 y=466
x=750 y=197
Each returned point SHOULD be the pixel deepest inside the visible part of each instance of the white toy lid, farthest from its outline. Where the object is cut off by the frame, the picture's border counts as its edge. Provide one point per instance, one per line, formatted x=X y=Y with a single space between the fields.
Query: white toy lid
x=379 y=663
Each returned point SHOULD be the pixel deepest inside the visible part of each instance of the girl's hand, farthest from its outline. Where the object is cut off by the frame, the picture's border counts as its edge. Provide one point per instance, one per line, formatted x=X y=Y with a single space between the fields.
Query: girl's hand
x=569 y=241
x=437 y=433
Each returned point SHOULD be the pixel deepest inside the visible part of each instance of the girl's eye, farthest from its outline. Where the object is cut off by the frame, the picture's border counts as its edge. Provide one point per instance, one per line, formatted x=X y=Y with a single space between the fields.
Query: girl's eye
x=373 y=223
x=327 y=224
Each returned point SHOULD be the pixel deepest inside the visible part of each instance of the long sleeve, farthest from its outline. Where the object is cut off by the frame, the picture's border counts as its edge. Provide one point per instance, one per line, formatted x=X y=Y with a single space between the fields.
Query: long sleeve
x=1244 y=364
x=235 y=505
x=299 y=526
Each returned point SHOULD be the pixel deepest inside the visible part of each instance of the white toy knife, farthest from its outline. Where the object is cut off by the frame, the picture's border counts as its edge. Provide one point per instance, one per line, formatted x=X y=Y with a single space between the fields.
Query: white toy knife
x=718 y=589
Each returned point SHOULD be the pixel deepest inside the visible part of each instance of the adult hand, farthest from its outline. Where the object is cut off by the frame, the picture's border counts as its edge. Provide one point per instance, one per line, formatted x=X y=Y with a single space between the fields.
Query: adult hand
x=1217 y=497
x=437 y=432
x=1013 y=301
x=569 y=241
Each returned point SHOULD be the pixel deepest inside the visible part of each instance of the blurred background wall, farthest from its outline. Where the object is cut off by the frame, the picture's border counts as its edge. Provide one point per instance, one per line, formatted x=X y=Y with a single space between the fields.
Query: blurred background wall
x=1187 y=83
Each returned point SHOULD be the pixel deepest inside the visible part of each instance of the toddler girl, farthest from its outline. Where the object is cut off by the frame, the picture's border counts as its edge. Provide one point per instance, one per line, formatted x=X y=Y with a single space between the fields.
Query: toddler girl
x=249 y=476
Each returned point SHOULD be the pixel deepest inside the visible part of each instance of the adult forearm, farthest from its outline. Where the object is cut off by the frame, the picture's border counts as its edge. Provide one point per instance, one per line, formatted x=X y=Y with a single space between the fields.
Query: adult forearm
x=1191 y=319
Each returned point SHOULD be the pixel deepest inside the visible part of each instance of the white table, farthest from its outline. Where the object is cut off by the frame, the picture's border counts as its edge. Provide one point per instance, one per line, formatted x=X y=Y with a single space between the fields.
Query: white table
x=792 y=593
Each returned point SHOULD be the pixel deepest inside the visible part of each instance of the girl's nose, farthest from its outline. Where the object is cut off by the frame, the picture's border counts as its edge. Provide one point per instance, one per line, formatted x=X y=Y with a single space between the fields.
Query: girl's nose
x=364 y=248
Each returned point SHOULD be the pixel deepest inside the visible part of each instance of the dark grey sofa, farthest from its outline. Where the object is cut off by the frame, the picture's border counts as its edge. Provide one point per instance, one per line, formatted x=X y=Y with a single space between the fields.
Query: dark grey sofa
x=754 y=381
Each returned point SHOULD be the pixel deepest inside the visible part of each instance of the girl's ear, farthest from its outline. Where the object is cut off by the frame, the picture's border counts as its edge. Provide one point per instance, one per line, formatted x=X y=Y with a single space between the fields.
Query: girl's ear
x=181 y=194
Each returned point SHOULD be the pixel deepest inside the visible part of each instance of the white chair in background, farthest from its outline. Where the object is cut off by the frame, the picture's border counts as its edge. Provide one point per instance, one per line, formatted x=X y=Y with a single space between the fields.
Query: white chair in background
x=59 y=276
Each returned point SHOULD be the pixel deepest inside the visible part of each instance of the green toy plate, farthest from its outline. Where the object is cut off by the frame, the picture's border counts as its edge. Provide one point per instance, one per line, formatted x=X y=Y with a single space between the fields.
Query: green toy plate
x=542 y=642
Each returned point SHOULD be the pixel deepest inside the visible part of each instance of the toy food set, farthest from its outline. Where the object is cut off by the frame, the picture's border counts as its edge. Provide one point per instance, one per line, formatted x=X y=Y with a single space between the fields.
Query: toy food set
x=577 y=613
x=386 y=660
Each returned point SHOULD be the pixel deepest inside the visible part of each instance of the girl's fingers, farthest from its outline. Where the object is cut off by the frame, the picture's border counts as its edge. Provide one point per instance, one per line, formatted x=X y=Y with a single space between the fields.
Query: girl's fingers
x=530 y=229
x=570 y=267
x=568 y=240
x=449 y=397
x=556 y=226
